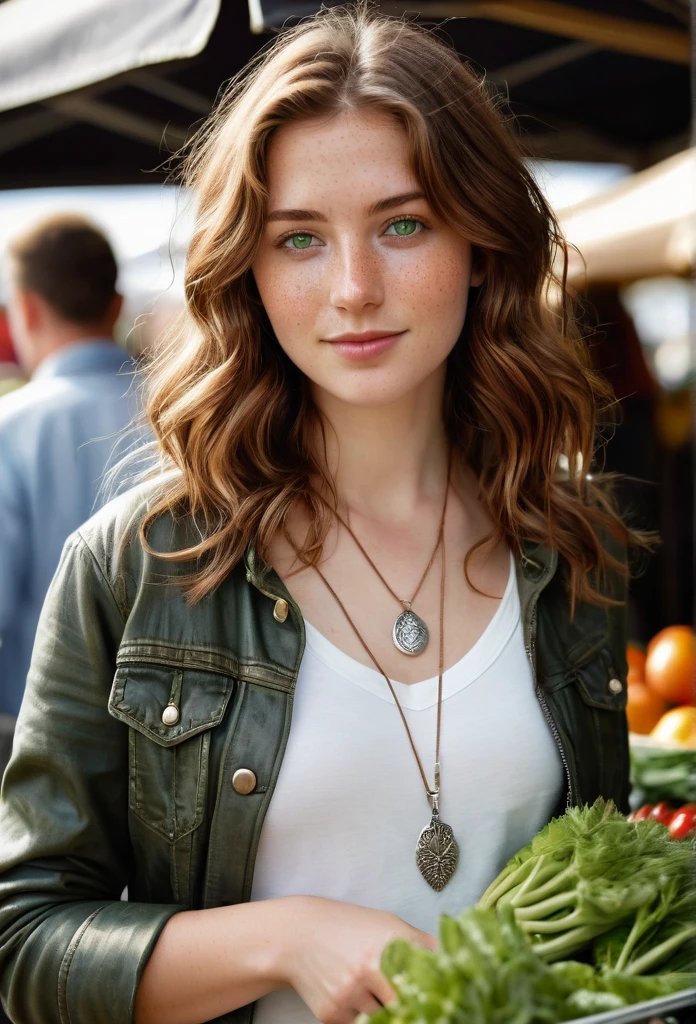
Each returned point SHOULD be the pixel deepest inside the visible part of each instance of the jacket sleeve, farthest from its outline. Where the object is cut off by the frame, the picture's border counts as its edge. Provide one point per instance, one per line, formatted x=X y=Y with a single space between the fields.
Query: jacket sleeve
x=71 y=952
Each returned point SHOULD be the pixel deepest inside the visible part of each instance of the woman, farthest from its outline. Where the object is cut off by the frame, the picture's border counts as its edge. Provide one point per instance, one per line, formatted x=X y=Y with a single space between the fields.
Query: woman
x=363 y=594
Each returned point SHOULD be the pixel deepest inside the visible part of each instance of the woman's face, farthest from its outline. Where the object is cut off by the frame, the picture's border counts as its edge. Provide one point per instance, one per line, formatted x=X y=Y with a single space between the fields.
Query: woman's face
x=351 y=246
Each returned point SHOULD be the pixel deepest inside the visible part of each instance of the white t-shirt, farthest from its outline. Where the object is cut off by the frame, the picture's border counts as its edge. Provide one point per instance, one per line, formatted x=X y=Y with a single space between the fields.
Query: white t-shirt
x=349 y=803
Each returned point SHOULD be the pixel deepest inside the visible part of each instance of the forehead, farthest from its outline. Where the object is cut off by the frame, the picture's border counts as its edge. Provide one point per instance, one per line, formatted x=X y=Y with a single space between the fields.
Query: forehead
x=357 y=151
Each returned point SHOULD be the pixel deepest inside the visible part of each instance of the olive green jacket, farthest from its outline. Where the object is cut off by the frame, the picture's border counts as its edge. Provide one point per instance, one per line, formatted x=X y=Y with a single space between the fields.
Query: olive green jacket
x=101 y=794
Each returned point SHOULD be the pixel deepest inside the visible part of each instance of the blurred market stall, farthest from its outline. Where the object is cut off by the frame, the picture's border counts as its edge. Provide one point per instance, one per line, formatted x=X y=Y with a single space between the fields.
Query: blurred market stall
x=635 y=254
x=643 y=227
x=96 y=92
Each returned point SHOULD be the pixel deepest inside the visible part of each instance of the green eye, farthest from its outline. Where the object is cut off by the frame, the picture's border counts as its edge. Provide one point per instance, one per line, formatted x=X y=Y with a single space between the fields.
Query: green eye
x=300 y=241
x=404 y=227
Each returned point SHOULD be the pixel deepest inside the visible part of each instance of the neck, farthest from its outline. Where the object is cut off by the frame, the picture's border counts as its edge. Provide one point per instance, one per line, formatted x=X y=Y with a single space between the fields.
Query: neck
x=47 y=344
x=387 y=461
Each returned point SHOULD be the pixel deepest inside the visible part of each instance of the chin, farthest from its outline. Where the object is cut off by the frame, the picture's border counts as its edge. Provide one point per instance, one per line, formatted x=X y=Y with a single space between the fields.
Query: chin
x=369 y=391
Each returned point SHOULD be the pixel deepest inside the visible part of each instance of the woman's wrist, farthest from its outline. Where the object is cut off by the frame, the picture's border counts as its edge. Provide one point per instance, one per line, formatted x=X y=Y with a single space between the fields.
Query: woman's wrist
x=278 y=936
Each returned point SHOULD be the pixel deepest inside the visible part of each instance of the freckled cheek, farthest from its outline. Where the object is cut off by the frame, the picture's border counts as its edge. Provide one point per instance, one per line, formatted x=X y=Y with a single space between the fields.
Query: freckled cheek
x=291 y=304
x=434 y=291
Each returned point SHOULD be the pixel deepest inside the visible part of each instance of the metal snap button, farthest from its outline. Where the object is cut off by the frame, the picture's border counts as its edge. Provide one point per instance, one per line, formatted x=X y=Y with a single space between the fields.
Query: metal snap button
x=244 y=781
x=280 y=611
x=170 y=715
x=615 y=685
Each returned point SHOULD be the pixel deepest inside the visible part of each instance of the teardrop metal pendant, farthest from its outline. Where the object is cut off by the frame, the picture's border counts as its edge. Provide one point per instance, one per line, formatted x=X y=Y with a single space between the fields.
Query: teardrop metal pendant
x=437 y=853
x=410 y=634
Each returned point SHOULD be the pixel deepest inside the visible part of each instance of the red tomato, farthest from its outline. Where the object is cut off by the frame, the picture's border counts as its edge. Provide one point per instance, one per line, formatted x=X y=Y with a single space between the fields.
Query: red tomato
x=662 y=812
x=642 y=813
x=683 y=821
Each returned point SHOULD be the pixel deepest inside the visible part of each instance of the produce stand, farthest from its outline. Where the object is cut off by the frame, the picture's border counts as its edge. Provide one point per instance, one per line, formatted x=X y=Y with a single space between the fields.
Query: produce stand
x=661 y=773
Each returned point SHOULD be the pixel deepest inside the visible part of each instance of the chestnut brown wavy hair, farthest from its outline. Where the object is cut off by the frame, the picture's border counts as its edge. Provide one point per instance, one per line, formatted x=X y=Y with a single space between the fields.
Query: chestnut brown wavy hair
x=233 y=414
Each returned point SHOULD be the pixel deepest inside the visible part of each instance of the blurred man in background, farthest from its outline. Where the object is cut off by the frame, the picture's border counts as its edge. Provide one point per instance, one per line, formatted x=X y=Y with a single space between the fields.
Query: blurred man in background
x=58 y=432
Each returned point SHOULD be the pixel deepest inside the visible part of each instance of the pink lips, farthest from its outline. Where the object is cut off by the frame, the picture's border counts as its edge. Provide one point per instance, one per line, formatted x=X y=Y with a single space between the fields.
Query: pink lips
x=368 y=349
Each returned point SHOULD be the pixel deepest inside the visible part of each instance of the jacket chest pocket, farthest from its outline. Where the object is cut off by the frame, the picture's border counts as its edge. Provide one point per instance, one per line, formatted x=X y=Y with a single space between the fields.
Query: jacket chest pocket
x=170 y=713
x=603 y=690
x=590 y=700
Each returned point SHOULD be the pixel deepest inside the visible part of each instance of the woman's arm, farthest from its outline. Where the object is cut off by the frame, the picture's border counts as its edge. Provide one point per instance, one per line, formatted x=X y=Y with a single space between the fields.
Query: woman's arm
x=70 y=950
x=209 y=962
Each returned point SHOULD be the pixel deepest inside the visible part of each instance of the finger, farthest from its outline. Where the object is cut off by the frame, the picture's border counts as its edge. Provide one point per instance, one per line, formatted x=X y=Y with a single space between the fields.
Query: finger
x=381 y=989
x=368 y=1004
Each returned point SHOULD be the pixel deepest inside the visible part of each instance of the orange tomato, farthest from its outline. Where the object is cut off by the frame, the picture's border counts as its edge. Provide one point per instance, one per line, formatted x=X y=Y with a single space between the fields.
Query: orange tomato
x=636 y=663
x=677 y=726
x=644 y=708
x=670 y=666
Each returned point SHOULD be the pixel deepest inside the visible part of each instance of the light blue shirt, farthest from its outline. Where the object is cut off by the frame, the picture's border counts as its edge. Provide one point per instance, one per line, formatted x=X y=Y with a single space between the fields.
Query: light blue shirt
x=57 y=435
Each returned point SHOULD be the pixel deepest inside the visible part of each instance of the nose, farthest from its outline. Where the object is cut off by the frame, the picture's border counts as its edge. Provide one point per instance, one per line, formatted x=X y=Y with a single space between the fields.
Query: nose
x=356 y=278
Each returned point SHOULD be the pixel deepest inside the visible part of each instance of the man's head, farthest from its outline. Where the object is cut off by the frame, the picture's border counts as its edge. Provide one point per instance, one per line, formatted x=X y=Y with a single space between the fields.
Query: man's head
x=62 y=278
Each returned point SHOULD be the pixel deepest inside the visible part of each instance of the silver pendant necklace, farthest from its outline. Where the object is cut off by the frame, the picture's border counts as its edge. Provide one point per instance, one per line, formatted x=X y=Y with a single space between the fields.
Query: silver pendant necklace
x=410 y=634
x=437 y=851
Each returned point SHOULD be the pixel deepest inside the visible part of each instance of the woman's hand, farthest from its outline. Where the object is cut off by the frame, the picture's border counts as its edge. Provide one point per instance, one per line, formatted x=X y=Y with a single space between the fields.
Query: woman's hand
x=332 y=956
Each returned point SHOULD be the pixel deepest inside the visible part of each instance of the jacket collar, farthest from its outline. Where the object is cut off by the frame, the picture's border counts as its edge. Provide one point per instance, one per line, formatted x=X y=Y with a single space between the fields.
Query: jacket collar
x=264 y=577
x=536 y=565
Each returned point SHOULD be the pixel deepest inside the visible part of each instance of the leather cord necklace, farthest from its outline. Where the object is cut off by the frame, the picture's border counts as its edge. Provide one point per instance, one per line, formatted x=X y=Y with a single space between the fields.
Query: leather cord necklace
x=410 y=634
x=437 y=851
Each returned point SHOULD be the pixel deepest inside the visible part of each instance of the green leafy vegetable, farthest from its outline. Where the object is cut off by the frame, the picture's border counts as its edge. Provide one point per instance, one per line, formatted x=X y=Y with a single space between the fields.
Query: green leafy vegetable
x=660 y=936
x=486 y=972
x=589 y=872
x=592 y=884
x=585 y=978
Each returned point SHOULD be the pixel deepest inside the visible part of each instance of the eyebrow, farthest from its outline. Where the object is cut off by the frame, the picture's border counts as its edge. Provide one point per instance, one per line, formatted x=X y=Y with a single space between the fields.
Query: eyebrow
x=378 y=207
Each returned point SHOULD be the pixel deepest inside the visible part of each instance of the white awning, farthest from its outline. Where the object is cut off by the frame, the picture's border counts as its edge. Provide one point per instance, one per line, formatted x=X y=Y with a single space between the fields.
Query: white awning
x=50 y=47
x=644 y=227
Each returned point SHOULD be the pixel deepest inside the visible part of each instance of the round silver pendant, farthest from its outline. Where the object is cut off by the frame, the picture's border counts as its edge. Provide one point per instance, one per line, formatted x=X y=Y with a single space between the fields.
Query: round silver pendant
x=410 y=633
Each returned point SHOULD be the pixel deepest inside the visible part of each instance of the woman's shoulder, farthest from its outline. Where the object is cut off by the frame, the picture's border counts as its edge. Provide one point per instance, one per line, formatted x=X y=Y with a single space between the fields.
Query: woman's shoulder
x=120 y=517
x=113 y=533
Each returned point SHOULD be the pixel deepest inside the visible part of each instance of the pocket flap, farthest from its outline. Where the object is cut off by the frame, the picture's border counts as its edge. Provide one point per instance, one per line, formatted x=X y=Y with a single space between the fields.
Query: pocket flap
x=140 y=693
x=586 y=648
x=599 y=682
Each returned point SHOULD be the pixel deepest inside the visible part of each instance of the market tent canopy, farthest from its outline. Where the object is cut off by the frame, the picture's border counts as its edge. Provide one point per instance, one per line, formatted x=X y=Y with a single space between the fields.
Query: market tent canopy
x=103 y=91
x=48 y=48
x=643 y=227
x=609 y=24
